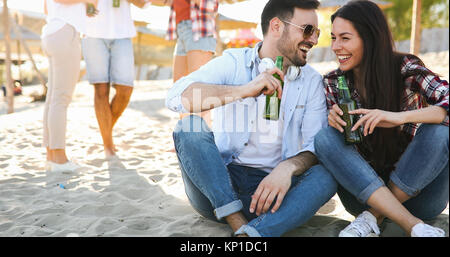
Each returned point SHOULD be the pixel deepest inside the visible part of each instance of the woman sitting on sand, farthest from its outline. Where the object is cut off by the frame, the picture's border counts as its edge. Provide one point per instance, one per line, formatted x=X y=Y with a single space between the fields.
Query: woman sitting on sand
x=400 y=170
x=61 y=43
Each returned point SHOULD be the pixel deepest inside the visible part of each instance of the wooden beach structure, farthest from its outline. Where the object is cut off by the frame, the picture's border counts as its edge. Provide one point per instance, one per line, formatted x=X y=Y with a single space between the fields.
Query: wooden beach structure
x=15 y=38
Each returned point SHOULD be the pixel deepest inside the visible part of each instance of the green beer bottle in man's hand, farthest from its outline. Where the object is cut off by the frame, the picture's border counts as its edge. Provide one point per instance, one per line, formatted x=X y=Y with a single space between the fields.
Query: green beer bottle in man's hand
x=346 y=104
x=116 y=3
x=272 y=109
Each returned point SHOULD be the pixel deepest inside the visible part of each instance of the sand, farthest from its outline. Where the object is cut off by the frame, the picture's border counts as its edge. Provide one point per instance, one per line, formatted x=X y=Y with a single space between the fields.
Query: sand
x=139 y=194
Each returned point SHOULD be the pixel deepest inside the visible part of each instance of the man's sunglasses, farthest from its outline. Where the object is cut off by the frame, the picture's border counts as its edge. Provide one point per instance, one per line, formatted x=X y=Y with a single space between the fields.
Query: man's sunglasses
x=308 y=29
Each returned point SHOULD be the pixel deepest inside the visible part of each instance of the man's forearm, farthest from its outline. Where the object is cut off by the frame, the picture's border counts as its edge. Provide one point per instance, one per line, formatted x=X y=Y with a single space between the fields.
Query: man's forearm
x=200 y=97
x=300 y=163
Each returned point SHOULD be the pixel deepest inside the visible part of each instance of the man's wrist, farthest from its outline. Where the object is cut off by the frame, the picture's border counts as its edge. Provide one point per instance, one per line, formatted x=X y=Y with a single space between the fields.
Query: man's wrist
x=242 y=92
x=288 y=166
x=302 y=162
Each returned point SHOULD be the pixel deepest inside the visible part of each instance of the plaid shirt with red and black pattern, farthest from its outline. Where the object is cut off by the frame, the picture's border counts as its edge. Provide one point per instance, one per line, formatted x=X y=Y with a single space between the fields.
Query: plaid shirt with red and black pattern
x=419 y=91
x=203 y=17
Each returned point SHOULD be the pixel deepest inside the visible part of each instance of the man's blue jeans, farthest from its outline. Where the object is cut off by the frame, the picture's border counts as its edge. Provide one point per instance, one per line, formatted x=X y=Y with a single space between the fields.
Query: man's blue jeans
x=216 y=191
x=421 y=172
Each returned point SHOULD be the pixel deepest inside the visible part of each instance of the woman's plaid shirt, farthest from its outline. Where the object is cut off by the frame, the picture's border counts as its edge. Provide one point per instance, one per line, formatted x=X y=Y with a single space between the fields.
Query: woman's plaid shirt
x=419 y=91
x=203 y=20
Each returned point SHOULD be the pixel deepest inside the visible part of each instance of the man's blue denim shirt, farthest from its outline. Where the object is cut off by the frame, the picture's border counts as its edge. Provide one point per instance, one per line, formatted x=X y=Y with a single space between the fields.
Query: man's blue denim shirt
x=305 y=105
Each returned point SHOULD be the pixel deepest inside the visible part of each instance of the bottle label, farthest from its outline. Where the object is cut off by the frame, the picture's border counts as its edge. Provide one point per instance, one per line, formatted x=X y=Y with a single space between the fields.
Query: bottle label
x=272 y=107
x=272 y=110
x=351 y=137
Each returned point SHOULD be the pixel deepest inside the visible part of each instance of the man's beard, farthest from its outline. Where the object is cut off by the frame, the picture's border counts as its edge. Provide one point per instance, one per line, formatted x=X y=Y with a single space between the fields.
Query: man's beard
x=289 y=50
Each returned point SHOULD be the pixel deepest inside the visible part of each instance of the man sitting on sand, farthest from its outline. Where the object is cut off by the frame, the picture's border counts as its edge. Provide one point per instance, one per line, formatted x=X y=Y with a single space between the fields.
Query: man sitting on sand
x=260 y=176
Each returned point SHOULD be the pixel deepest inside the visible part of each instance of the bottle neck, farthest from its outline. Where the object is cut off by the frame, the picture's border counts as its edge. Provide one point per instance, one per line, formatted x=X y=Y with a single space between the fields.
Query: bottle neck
x=279 y=65
x=344 y=93
x=279 y=62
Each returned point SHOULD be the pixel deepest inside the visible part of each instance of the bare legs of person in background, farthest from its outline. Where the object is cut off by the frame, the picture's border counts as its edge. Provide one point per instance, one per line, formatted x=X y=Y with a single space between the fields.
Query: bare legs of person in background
x=57 y=155
x=183 y=65
x=108 y=113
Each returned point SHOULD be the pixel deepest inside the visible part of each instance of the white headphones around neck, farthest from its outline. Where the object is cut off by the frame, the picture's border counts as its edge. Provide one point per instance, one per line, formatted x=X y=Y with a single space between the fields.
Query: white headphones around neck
x=292 y=73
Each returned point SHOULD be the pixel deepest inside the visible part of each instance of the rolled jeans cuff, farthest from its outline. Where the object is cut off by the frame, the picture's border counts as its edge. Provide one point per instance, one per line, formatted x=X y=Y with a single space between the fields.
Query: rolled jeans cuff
x=228 y=209
x=368 y=191
x=249 y=230
x=405 y=188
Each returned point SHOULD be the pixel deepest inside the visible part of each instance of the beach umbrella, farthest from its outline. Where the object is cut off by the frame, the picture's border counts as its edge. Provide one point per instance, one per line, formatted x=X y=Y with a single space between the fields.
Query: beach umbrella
x=335 y=4
x=151 y=46
x=24 y=26
x=147 y=37
x=26 y=34
x=26 y=38
x=33 y=21
x=226 y=23
x=150 y=37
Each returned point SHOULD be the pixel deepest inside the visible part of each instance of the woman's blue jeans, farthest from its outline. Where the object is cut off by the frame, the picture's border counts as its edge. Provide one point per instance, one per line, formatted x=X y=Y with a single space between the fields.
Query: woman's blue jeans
x=421 y=172
x=216 y=190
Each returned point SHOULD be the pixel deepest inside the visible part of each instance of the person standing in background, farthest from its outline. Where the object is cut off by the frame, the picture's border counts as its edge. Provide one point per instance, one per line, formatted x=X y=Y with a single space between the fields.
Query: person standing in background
x=192 y=23
x=109 y=56
x=66 y=19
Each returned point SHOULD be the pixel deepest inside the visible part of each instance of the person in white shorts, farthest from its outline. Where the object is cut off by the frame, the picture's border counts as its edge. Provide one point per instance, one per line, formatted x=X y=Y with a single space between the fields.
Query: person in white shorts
x=108 y=52
x=66 y=19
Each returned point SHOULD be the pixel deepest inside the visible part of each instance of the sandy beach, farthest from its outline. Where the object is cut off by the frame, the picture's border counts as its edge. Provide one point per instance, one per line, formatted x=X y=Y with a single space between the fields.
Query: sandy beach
x=139 y=194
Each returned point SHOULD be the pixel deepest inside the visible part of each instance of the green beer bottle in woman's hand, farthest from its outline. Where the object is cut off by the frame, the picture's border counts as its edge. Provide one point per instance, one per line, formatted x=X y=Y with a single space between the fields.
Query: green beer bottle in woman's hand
x=347 y=104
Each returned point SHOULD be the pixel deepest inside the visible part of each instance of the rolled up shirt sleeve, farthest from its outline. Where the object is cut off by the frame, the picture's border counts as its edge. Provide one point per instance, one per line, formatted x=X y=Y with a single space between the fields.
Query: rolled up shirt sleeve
x=430 y=86
x=173 y=99
x=330 y=90
x=219 y=71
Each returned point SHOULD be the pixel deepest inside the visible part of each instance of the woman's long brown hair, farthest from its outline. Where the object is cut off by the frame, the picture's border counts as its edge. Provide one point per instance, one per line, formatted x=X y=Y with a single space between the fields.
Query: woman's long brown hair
x=381 y=81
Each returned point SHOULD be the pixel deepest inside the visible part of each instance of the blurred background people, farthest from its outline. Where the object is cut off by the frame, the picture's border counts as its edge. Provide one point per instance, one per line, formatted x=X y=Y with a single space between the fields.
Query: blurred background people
x=66 y=19
x=109 y=56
